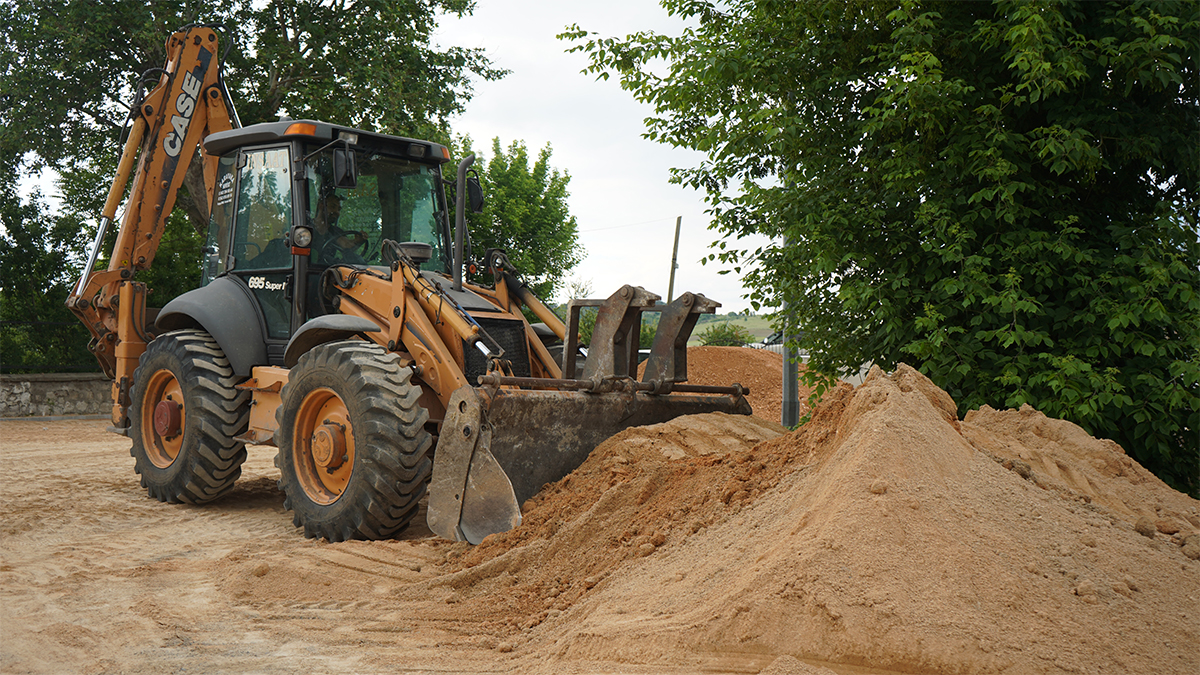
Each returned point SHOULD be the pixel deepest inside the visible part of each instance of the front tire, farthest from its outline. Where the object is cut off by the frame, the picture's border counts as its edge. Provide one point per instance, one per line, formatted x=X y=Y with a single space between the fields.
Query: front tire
x=353 y=449
x=184 y=414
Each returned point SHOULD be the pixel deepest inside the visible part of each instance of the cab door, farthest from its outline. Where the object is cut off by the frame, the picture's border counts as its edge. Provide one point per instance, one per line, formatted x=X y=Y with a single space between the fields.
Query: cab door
x=259 y=245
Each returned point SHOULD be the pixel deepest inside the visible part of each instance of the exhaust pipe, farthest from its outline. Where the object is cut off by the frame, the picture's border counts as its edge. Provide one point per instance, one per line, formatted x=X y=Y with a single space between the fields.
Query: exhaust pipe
x=460 y=218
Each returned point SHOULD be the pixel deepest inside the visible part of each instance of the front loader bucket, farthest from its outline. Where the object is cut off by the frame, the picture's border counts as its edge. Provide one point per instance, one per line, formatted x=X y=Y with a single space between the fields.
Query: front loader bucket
x=499 y=447
x=501 y=442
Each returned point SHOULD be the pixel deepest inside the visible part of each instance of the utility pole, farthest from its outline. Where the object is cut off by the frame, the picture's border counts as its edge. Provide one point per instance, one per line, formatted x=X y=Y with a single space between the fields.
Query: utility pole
x=674 y=263
x=791 y=385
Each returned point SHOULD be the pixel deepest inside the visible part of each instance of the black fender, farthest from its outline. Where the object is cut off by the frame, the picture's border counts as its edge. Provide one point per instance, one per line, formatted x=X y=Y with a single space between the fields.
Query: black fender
x=225 y=308
x=324 y=329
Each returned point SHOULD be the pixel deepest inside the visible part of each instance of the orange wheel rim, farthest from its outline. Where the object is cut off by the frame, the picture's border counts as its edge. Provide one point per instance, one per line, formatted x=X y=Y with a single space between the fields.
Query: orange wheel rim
x=323 y=446
x=162 y=419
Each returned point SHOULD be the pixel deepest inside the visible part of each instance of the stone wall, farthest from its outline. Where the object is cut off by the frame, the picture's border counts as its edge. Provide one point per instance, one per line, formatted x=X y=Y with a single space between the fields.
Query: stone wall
x=45 y=395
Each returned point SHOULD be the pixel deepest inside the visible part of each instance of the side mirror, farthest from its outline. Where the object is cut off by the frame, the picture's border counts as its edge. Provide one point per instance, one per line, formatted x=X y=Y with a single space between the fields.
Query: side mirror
x=345 y=172
x=475 y=194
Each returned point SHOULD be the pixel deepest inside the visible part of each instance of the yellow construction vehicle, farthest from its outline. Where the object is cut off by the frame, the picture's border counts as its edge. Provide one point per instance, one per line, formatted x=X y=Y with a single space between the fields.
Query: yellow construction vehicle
x=333 y=322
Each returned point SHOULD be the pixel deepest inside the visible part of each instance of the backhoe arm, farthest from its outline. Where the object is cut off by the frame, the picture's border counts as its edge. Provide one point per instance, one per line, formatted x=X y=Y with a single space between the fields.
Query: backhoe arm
x=168 y=125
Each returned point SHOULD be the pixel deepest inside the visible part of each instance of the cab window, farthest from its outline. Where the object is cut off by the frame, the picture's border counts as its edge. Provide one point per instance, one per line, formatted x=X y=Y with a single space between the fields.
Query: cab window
x=264 y=207
x=216 y=248
x=395 y=199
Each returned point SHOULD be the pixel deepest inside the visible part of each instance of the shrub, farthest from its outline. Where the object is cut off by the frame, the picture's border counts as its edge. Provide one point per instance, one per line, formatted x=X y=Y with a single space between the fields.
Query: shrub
x=725 y=334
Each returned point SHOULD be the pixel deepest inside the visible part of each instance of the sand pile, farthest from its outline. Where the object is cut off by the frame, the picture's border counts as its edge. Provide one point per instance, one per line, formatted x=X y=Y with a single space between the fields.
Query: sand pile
x=885 y=532
x=1062 y=457
x=758 y=369
x=639 y=490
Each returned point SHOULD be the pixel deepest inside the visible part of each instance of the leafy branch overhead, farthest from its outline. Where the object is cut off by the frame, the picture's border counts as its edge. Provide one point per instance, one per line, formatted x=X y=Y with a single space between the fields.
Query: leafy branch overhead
x=1004 y=193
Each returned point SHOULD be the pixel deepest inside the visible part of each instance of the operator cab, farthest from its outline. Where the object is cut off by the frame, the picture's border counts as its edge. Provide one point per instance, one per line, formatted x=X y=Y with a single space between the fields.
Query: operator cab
x=296 y=197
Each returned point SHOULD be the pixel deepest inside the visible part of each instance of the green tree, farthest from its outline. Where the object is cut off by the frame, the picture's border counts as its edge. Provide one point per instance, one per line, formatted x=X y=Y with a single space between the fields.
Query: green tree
x=526 y=214
x=37 y=332
x=1004 y=194
x=647 y=330
x=71 y=68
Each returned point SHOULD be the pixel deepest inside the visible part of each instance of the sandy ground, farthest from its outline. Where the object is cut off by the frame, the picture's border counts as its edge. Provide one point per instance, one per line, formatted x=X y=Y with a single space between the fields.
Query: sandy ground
x=887 y=536
x=97 y=578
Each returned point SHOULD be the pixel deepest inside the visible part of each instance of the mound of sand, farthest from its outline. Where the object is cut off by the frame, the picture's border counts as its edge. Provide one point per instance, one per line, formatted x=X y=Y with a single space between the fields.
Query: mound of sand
x=884 y=532
x=758 y=369
x=1060 y=456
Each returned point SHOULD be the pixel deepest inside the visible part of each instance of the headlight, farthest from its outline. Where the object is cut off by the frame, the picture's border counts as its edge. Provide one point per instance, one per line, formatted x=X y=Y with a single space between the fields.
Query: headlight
x=302 y=237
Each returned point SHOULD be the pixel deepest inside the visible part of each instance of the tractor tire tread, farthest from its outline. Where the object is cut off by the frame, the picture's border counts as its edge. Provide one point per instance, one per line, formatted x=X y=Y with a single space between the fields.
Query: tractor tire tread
x=210 y=459
x=392 y=461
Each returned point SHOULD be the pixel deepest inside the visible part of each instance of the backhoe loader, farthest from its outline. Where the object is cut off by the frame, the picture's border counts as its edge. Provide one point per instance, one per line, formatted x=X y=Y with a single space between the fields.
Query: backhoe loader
x=334 y=321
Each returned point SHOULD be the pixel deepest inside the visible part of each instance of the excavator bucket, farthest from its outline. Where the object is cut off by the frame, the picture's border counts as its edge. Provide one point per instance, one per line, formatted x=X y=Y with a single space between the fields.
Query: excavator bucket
x=502 y=442
x=499 y=448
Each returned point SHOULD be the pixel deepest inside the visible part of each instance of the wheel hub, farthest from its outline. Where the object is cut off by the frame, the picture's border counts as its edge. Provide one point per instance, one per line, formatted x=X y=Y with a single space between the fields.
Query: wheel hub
x=329 y=445
x=323 y=449
x=167 y=419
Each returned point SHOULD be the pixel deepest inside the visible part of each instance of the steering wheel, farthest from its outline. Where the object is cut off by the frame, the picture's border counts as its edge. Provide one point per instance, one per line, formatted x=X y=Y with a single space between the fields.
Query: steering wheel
x=332 y=250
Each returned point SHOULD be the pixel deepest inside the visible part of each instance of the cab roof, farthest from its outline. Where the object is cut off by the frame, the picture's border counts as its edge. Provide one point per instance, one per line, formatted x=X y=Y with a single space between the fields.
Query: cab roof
x=222 y=142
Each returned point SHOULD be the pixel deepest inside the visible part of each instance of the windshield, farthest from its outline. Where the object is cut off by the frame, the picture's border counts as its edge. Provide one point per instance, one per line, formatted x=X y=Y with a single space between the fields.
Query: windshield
x=395 y=199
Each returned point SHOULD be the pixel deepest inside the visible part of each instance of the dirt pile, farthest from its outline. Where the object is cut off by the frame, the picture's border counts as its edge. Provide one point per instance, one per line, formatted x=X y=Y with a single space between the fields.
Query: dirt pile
x=885 y=533
x=758 y=369
x=1062 y=457
x=641 y=490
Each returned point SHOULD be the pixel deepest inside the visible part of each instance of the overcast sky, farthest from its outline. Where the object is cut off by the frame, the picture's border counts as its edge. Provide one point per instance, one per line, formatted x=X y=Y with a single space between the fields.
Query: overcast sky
x=620 y=194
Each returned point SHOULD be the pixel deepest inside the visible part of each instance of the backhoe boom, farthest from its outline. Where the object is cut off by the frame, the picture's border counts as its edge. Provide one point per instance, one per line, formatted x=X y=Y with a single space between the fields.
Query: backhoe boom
x=167 y=126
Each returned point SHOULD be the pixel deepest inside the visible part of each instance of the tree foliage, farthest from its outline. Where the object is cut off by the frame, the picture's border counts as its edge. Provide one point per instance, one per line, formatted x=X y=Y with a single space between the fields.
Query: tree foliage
x=70 y=67
x=70 y=70
x=526 y=214
x=37 y=332
x=1004 y=194
x=41 y=253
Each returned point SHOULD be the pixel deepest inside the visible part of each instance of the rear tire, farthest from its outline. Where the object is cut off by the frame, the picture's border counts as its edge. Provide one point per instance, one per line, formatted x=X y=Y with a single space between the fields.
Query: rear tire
x=353 y=450
x=184 y=414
